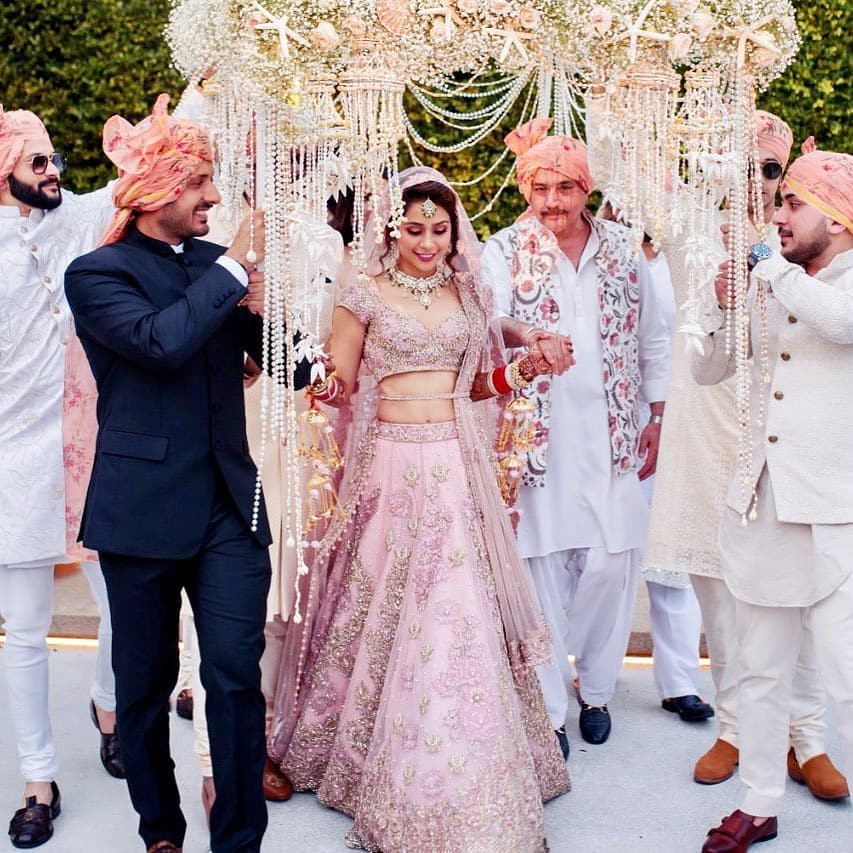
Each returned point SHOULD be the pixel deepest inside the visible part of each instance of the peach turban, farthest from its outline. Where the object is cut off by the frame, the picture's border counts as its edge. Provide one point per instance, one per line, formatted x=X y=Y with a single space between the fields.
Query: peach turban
x=824 y=180
x=774 y=134
x=17 y=128
x=537 y=151
x=155 y=160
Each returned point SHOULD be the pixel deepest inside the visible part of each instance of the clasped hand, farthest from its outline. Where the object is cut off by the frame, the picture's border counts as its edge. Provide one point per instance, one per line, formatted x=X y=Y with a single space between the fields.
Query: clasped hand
x=550 y=352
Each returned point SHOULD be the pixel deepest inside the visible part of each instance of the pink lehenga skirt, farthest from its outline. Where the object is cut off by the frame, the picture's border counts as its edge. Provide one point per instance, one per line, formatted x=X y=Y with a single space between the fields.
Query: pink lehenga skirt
x=412 y=720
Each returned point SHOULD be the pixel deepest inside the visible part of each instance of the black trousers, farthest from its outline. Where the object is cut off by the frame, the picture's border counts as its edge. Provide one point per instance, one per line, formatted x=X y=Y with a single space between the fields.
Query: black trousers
x=227 y=584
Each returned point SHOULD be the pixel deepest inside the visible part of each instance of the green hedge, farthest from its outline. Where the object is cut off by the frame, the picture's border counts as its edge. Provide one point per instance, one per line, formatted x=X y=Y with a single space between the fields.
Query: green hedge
x=76 y=62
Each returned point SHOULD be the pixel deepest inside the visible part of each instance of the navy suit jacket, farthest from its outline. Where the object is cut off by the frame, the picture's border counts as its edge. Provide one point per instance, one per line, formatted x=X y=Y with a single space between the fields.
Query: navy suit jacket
x=166 y=343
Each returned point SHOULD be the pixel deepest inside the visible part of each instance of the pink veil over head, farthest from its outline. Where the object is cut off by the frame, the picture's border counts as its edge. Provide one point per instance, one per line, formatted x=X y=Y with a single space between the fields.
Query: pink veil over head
x=525 y=630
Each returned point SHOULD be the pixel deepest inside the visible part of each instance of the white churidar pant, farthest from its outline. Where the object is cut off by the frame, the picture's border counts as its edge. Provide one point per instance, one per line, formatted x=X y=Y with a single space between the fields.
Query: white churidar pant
x=104 y=684
x=807 y=726
x=26 y=604
x=588 y=600
x=675 y=621
x=770 y=640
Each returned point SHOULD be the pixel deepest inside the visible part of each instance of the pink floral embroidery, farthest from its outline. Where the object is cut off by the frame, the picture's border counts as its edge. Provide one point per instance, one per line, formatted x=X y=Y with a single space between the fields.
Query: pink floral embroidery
x=79 y=432
x=401 y=504
x=432 y=784
x=531 y=252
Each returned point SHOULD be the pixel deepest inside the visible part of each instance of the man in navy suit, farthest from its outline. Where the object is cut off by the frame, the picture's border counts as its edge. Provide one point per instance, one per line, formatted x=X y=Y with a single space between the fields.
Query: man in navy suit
x=160 y=314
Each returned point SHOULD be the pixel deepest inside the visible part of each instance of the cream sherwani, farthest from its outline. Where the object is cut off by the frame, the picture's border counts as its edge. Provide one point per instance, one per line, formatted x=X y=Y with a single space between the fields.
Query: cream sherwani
x=791 y=567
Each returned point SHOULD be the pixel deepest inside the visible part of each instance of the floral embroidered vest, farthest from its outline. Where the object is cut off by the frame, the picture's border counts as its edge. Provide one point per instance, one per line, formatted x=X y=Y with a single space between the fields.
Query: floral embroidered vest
x=531 y=252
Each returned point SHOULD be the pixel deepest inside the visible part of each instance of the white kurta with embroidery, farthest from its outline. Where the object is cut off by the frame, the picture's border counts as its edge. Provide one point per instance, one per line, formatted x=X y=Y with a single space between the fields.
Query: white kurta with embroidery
x=584 y=503
x=34 y=325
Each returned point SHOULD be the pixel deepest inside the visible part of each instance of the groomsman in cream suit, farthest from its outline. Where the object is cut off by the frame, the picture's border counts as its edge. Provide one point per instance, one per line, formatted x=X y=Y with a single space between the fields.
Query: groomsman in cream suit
x=791 y=565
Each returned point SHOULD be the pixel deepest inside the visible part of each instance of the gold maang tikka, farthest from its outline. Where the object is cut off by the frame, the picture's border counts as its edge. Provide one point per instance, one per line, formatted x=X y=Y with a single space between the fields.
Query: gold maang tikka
x=428 y=208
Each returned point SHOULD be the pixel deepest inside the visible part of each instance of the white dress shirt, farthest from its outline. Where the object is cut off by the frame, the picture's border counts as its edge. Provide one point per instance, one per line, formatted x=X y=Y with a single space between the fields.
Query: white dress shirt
x=584 y=503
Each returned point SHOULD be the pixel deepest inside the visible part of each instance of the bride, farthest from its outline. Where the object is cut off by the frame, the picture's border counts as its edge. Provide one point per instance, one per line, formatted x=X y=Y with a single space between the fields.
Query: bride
x=409 y=699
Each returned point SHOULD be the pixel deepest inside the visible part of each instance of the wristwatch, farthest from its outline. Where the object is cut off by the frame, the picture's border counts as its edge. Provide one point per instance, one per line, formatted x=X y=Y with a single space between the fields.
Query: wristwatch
x=759 y=252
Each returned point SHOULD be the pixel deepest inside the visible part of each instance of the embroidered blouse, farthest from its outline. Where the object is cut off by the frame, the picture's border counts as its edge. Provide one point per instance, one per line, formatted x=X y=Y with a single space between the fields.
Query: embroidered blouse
x=396 y=342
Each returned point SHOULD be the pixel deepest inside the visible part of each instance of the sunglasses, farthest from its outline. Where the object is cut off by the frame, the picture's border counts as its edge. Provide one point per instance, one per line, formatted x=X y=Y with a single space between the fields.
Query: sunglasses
x=38 y=162
x=771 y=170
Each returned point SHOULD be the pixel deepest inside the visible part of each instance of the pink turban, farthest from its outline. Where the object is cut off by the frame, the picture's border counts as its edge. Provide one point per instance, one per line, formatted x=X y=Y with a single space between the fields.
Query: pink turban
x=17 y=128
x=155 y=160
x=774 y=134
x=537 y=151
x=824 y=180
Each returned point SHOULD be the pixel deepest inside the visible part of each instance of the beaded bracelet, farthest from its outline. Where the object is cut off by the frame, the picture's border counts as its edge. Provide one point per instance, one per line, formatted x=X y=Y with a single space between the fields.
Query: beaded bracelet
x=514 y=376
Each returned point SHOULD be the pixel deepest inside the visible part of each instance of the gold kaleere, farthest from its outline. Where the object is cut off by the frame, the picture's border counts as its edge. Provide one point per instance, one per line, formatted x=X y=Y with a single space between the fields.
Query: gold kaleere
x=318 y=447
x=515 y=439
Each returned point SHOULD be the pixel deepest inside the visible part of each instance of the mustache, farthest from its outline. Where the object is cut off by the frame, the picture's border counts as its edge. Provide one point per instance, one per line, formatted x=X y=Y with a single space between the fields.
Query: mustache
x=554 y=211
x=50 y=182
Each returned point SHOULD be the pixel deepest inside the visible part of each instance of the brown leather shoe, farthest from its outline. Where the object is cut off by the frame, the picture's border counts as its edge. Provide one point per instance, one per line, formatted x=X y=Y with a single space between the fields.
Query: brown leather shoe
x=737 y=832
x=717 y=764
x=824 y=780
x=277 y=787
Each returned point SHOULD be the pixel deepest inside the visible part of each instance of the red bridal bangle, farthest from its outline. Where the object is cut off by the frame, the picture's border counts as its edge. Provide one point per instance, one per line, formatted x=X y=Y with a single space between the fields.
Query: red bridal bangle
x=499 y=382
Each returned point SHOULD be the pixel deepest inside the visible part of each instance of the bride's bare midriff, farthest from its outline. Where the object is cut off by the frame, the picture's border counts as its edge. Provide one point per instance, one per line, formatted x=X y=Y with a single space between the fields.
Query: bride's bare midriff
x=417 y=411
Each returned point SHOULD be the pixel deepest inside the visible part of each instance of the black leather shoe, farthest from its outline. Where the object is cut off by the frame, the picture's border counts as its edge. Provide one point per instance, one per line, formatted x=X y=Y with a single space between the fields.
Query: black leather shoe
x=563 y=740
x=110 y=749
x=691 y=709
x=184 y=705
x=32 y=825
x=594 y=723
x=164 y=847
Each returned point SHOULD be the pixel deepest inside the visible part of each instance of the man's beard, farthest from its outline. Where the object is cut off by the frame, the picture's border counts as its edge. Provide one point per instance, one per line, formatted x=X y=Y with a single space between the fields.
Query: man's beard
x=33 y=195
x=181 y=225
x=812 y=245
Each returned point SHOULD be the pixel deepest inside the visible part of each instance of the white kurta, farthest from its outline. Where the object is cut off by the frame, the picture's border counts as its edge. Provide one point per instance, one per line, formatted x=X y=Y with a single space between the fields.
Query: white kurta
x=584 y=503
x=698 y=453
x=665 y=297
x=665 y=301
x=34 y=325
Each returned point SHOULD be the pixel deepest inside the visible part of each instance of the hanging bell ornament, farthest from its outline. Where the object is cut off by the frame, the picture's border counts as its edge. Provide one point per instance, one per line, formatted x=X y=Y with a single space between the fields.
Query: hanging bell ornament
x=517 y=430
x=509 y=479
x=321 y=500
x=317 y=440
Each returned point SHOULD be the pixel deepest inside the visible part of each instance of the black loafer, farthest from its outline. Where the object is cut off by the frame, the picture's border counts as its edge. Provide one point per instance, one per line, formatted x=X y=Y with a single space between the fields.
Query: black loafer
x=110 y=749
x=594 y=723
x=691 y=709
x=32 y=825
x=563 y=740
x=184 y=705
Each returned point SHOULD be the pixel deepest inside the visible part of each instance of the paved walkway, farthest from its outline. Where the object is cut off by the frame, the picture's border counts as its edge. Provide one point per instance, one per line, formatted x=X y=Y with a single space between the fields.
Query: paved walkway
x=633 y=795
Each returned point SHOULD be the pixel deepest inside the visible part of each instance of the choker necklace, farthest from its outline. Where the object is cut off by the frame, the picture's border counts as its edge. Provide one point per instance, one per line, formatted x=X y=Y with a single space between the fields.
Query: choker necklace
x=422 y=289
